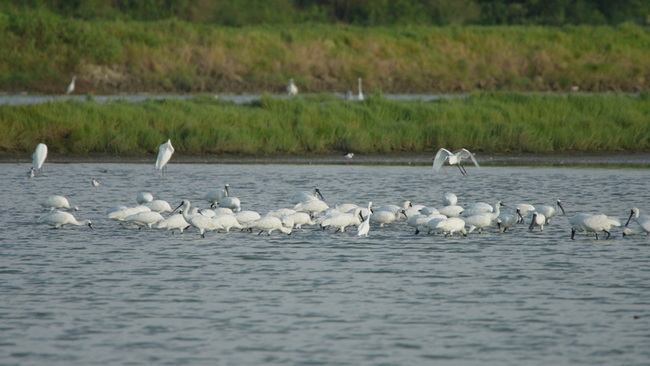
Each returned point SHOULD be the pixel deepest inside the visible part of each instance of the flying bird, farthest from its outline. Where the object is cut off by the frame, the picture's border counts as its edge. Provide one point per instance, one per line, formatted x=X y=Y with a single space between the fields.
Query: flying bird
x=454 y=158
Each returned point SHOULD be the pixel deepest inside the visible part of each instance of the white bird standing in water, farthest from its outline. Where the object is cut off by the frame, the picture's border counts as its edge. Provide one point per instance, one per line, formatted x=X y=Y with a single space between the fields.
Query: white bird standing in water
x=95 y=183
x=292 y=89
x=59 y=219
x=642 y=220
x=71 y=85
x=364 y=226
x=38 y=157
x=538 y=220
x=56 y=202
x=454 y=158
x=165 y=152
x=592 y=223
x=360 y=95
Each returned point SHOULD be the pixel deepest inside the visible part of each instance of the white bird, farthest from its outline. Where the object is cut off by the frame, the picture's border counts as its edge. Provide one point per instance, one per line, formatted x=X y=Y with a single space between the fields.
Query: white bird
x=215 y=195
x=30 y=175
x=313 y=207
x=269 y=224
x=121 y=214
x=642 y=220
x=304 y=196
x=451 y=210
x=292 y=89
x=55 y=202
x=59 y=219
x=71 y=85
x=449 y=199
x=550 y=211
x=505 y=221
x=348 y=156
x=454 y=158
x=342 y=220
x=144 y=197
x=165 y=152
x=244 y=217
x=144 y=218
x=300 y=219
x=482 y=220
x=160 y=206
x=95 y=183
x=383 y=217
x=232 y=203
x=364 y=227
x=38 y=157
x=538 y=220
x=524 y=210
x=360 y=95
x=203 y=223
x=173 y=222
x=592 y=223
x=451 y=225
x=227 y=222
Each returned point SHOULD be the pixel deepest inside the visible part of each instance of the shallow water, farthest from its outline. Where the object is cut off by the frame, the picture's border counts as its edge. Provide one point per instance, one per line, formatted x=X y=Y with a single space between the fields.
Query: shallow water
x=116 y=295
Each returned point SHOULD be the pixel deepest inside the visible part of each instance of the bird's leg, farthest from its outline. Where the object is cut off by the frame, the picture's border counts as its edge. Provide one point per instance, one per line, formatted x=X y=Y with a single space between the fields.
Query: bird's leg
x=608 y=234
x=461 y=169
x=596 y=236
x=573 y=234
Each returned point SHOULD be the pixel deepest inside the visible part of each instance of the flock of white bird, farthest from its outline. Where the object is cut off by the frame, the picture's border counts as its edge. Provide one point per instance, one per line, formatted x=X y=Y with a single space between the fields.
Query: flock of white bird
x=308 y=208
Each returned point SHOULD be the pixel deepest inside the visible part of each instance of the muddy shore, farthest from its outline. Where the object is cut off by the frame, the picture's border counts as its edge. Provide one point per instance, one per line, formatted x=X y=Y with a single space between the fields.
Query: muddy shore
x=641 y=160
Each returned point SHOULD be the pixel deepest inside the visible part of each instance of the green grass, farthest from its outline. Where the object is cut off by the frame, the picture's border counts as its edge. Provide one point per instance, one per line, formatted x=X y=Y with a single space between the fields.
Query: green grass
x=42 y=50
x=318 y=124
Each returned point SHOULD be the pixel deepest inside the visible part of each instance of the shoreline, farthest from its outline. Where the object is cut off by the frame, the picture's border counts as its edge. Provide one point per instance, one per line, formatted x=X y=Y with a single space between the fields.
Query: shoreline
x=623 y=159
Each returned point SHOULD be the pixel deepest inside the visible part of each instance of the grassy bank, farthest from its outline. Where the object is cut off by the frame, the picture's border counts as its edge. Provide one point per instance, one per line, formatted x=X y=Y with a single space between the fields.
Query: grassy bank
x=41 y=51
x=486 y=122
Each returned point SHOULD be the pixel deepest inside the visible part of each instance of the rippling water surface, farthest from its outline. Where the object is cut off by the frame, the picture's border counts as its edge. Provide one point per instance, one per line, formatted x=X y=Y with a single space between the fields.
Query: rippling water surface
x=117 y=295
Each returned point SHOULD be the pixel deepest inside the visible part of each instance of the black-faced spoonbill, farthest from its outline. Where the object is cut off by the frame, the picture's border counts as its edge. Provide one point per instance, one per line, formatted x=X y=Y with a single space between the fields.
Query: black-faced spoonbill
x=292 y=89
x=364 y=226
x=304 y=196
x=215 y=195
x=165 y=152
x=538 y=220
x=451 y=225
x=550 y=211
x=203 y=223
x=642 y=220
x=269 y=224
x=592 y=223
x=454 y=158
x=38 y=157
x=55 y=202
x=59 y=219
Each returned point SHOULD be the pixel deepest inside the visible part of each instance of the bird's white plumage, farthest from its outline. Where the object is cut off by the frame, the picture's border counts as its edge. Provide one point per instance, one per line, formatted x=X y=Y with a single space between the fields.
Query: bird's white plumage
x=59 y=219
x=165 y=152
x=292 y=89
x=454 y=158
x=39 y=156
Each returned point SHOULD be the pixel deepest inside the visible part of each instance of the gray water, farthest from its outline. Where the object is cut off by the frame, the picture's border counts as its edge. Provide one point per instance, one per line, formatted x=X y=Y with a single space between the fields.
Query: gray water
x=117 y=295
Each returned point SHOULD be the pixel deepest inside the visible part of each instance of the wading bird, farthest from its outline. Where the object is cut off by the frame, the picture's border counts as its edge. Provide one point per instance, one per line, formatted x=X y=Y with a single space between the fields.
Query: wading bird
x=38 y=157
x=71 y=85
x=165 y=152
x=454 y=158
x=292 y=89
x=59 y=219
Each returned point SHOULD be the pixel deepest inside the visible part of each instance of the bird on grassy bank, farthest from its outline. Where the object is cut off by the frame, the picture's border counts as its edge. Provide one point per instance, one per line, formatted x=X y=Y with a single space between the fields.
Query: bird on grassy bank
x=360 y=95
x=71 y=85
x=454 y=158
x=59 y=219
x=165 y=152
x=292 y=89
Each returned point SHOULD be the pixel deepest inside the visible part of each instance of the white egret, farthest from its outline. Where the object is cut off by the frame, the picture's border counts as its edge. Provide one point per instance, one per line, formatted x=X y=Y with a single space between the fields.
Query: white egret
x=360 y=95
x=38 y=157
x=642 y=220
x=454 y=158
x=165 y=152
x=59 y=219
x=71 y=85
x=292 y=89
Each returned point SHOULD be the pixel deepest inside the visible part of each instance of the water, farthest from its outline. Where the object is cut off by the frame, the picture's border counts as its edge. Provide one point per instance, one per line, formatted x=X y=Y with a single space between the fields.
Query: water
x=116 y=295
